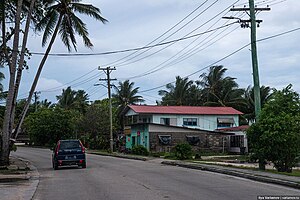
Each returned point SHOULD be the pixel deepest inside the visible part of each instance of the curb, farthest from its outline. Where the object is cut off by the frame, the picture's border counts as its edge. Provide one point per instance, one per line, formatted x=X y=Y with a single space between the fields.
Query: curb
x=119 y=156
x=259 y=178
x=33 y=177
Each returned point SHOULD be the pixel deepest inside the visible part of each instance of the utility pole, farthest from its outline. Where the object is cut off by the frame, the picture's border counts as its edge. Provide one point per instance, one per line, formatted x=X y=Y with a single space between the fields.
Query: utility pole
x=245 y=24
x=107 y=71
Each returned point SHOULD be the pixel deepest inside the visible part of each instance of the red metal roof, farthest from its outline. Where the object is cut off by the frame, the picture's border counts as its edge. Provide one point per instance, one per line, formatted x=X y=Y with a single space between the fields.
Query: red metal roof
x=191 y=110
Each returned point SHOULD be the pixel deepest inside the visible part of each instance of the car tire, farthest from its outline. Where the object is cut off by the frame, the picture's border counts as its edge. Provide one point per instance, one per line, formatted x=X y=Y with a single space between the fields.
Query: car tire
x=55 y=166
x=84 y=165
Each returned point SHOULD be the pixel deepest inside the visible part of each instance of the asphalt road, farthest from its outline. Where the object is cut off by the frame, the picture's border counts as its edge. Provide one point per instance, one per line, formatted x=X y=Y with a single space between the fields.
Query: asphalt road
x=110 y=178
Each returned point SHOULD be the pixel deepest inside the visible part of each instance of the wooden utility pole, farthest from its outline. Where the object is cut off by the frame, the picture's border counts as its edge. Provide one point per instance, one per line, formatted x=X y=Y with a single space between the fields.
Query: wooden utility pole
x=107 y=71
x=252 y=22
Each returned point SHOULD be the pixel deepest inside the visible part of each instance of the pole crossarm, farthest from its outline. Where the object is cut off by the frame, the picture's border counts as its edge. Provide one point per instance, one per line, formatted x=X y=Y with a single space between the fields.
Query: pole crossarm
x=248 y=9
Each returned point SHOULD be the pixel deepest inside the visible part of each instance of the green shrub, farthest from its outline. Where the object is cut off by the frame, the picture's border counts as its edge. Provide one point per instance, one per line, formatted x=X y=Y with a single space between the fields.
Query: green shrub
x=183 y=151
x=140 y=150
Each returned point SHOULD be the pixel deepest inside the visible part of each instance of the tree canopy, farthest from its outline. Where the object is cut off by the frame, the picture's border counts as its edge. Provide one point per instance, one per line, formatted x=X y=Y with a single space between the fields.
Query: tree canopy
x=275 y=136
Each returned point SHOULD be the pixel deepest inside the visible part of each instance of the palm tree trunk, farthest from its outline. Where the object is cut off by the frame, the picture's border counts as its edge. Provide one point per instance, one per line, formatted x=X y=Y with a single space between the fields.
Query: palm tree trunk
x=7 y=123
x=21 y=62
x=36 y=78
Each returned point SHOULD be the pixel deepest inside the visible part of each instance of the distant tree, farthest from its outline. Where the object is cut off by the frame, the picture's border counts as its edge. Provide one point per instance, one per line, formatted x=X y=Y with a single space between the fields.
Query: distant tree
x=47 y=126
x=71 y=99
x=67 y=99
x=219 y=90
x=176 y=94
x=44 y=103
x=249 y=109
x=275 y=136
x=126 y=94
x=94 y=125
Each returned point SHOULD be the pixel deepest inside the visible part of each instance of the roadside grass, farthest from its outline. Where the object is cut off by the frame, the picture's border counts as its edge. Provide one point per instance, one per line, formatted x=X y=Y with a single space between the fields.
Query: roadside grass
x=295 y=172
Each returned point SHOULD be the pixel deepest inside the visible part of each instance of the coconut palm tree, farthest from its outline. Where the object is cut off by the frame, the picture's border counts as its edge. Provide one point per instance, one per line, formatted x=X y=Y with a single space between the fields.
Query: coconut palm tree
x=249 y=110
x=219 y=90
x=67 y=99
x=176 y=94
x=60 y=18
x=125 y=94
x=71 y=99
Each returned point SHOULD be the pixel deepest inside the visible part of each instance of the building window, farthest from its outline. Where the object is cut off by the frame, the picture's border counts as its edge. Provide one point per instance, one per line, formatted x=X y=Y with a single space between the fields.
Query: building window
x=237 y=141
x=165 y=121
x=190 y=121
x=165 y=139
x=225 y=122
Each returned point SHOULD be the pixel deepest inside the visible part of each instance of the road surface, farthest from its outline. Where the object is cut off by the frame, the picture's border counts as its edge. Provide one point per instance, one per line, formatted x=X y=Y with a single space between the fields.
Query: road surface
x=110 y=178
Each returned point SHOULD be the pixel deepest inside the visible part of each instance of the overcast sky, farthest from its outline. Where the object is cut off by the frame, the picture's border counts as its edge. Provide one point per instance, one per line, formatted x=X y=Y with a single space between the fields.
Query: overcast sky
x=136 y=23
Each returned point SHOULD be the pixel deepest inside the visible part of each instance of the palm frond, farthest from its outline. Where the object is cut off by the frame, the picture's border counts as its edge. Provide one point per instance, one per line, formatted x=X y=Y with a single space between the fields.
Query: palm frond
x=49 y=26
x=89 y=10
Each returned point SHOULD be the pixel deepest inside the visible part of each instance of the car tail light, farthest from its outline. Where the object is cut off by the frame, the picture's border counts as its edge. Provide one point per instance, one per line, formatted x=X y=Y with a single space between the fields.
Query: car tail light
x=80 y=161
x=57 y=149
x=82 y=147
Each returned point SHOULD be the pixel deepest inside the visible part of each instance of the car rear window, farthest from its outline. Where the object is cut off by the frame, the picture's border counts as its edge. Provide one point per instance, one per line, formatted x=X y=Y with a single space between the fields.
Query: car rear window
x=70 y=145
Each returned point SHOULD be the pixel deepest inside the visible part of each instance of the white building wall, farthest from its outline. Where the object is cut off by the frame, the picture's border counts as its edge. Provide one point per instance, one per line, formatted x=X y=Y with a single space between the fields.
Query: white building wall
x=206 y=122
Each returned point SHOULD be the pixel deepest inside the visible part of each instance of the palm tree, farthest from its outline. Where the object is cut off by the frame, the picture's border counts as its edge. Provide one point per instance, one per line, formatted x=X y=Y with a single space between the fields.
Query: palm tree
x=45 y=103
x=176 y=94
x=81 y=101
x=219 y=90
x=249 y=110
x=67 y=99
x=60 y=18
x=125 y=94
x=71 y=99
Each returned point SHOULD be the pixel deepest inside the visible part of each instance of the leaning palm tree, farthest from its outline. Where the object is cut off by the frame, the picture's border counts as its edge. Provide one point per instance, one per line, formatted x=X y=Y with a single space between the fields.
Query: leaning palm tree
x=125 y=94
x=60 y=18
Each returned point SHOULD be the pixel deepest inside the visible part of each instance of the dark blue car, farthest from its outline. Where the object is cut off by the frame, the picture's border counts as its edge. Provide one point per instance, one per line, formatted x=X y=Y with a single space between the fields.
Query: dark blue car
x=68 y=152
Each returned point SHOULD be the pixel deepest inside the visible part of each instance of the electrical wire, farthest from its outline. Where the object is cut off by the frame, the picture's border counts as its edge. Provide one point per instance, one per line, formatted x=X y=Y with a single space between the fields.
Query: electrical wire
x=170 y=29
x=165 y=64
x=225 y=57
x=206 y=9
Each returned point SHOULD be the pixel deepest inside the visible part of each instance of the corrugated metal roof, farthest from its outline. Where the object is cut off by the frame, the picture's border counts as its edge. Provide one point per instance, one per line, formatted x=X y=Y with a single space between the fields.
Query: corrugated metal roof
x=191 y=110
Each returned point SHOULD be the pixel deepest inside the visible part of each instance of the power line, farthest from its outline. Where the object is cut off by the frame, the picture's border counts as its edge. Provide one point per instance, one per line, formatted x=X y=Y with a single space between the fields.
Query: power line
x=178 y=40
x=164 y=64
x=168 y=37
x=88 y=79
x=161 y=34
x=132 y=49
x=225 y=57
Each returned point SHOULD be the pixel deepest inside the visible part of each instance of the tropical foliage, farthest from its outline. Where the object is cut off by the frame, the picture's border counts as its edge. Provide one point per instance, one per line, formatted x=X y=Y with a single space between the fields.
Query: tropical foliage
x=275 y=136
x=126 y=94
x=94 y=126
x=47 y=126
x=53 y=17
x=71 y=99
x=178 y=94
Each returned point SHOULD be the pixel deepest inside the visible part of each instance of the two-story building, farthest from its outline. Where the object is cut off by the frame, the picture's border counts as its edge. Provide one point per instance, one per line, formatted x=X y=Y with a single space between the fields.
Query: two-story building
x=159 y=128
